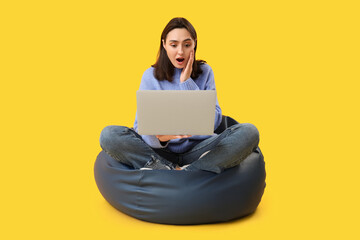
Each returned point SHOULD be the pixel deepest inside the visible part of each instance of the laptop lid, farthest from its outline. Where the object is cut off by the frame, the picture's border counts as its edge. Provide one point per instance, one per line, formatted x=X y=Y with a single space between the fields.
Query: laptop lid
x=176 y=112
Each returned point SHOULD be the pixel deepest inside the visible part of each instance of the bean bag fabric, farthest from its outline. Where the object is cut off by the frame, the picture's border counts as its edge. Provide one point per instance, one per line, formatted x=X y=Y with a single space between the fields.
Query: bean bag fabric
x=182 y=197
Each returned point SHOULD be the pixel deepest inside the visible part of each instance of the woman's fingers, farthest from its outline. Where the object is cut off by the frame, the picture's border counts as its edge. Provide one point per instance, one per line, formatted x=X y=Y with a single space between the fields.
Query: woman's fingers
x=186 y=72
x=190 y=62
x=165 y=138
x=182 y=136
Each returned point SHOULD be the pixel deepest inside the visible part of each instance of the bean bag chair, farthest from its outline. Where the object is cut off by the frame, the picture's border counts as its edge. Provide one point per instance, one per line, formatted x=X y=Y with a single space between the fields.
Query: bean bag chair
x=183 y=197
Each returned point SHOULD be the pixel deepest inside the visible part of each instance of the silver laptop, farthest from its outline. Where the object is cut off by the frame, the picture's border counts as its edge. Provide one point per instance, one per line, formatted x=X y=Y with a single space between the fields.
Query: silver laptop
x=176 y=112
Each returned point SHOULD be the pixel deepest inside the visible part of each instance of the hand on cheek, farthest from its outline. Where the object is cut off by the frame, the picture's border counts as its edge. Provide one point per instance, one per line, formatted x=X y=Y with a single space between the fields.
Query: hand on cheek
x=187 y=70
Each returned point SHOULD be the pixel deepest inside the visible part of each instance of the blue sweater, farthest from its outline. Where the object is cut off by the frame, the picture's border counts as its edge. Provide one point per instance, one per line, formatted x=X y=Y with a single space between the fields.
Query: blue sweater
x=204 y=82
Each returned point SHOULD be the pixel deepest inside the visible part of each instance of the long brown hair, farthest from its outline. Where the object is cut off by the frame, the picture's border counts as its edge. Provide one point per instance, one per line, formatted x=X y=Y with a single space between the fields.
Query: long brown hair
x=164 y=69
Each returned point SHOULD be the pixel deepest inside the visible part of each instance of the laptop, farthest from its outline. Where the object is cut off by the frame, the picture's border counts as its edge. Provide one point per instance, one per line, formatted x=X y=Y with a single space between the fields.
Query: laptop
x=176 y=112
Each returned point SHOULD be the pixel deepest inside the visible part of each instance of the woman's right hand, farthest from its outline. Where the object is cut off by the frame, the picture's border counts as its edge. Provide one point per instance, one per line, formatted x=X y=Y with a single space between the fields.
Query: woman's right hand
x=165 y=138
x=187 y=70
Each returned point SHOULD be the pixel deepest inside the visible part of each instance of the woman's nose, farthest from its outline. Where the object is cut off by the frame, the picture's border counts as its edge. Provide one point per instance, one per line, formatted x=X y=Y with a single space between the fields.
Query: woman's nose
x=180 y=51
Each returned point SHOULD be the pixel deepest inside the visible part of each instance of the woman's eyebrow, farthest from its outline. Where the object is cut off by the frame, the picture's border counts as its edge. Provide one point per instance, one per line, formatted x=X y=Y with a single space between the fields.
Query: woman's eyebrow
x=188 y=39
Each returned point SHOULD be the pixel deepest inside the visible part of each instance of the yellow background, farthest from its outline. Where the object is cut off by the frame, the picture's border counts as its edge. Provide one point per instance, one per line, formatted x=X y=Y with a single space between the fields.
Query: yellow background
x=70 y=68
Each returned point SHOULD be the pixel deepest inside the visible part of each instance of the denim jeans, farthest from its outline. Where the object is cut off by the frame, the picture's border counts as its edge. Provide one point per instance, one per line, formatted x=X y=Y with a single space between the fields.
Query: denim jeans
x=214 y=154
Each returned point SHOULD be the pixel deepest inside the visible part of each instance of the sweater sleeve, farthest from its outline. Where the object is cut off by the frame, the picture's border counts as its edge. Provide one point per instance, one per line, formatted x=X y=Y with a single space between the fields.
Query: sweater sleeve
x=189 y=84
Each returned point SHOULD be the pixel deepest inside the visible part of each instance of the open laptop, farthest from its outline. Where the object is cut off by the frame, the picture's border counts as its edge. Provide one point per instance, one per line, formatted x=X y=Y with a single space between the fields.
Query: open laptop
x=176 y=112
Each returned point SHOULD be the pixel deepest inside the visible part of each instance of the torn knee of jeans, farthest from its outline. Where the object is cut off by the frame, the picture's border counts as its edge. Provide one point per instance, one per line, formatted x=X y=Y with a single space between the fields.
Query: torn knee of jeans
x=156 y=163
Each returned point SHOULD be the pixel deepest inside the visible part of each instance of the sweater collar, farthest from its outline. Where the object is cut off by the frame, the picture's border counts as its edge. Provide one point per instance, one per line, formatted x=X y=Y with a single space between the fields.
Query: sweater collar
x=178 y=70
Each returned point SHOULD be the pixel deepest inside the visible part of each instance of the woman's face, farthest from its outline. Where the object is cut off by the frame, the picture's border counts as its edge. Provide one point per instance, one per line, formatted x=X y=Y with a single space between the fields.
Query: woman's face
x=178 y=45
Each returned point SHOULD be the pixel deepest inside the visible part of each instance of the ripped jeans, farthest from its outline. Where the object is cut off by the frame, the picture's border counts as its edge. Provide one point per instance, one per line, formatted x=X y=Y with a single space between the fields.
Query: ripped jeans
x=214 y=154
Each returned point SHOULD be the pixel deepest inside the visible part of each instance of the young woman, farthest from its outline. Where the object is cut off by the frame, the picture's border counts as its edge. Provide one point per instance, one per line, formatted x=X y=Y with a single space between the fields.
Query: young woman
x=176 y=68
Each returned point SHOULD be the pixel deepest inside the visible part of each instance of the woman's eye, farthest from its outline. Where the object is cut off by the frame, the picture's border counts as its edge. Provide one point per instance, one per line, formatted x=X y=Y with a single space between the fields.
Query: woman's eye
x=173 y=45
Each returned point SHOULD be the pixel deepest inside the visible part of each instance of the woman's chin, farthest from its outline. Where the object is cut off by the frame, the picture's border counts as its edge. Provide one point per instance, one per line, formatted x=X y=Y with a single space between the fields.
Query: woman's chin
x=178 y=66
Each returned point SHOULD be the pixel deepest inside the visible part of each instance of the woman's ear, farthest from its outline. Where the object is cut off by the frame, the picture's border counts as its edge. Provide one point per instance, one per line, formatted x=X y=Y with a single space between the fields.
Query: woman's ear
x=163 y=42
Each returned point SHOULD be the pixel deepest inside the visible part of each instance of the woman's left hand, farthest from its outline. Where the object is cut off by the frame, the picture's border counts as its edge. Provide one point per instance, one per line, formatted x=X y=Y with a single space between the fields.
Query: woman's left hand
x=165 y=138
x=187 y=70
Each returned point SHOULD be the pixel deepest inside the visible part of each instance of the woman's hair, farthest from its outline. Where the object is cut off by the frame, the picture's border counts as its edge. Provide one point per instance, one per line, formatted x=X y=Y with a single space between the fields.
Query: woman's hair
x=164 y=69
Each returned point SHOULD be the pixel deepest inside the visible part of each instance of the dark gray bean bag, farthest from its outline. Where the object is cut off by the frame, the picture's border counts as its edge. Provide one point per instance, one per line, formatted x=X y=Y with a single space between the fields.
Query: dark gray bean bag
x=183 y=197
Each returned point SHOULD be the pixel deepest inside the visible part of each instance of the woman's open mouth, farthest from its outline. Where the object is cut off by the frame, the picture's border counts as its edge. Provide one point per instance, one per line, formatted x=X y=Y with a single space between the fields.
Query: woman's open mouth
x=180 y=60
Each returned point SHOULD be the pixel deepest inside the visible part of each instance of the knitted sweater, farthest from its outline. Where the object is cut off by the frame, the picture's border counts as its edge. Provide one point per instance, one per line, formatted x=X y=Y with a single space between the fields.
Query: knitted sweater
x=204 y=82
